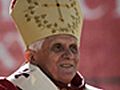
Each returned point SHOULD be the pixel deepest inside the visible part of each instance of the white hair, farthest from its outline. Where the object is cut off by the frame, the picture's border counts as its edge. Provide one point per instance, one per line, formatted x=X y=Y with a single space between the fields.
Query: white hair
x=36 y=45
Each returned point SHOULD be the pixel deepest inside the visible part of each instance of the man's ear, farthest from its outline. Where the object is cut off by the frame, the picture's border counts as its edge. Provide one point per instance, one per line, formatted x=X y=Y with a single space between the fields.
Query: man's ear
x=29 y=55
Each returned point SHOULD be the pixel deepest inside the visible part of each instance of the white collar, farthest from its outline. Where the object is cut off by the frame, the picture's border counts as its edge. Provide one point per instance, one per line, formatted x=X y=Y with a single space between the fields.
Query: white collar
x=30 y=77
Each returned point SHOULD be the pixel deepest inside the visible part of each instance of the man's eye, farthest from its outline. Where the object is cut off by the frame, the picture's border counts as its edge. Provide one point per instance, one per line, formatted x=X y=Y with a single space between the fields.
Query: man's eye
x=57 y=47
x=73 y=48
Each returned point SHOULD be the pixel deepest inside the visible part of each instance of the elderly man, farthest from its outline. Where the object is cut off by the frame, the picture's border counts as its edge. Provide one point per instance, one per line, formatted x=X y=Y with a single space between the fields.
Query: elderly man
x=51 y=30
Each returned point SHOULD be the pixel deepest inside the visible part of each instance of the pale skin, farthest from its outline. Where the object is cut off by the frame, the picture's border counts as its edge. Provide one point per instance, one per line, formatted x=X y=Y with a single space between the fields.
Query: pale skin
x=58 y=57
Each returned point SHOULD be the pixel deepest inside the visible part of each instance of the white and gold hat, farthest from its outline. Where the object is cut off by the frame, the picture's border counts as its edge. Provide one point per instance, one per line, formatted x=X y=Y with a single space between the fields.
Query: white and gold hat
x=37 y=19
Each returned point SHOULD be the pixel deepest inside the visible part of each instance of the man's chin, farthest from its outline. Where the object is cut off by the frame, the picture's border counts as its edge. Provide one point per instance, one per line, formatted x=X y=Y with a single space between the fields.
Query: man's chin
x=66 y=77
x=66 y=80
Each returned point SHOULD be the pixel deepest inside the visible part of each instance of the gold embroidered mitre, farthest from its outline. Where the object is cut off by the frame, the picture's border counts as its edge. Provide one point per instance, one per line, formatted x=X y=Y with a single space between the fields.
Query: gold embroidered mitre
x=37 y=19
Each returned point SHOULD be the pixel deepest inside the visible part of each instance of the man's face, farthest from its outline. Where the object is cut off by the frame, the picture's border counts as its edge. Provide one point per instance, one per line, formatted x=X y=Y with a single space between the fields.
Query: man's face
x=59 y=57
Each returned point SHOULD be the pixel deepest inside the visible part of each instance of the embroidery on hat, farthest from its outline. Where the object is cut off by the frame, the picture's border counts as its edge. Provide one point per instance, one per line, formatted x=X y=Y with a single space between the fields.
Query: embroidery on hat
x=30 y=10
x=41 y=19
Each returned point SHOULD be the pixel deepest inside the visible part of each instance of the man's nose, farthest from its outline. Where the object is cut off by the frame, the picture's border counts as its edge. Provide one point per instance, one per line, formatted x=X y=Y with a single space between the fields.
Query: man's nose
x=68 y=54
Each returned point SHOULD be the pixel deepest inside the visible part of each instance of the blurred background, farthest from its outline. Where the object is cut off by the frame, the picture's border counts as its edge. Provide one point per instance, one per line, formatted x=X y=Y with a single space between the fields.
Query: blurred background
x=100 y=43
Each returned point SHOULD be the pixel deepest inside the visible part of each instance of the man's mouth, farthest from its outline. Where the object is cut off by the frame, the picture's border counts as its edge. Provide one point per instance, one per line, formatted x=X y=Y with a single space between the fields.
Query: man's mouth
x=67 y=68
x=66 y=65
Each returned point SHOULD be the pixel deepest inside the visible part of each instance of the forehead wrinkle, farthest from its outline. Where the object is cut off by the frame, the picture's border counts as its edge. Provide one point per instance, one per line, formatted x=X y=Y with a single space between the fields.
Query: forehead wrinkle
x=61 y=38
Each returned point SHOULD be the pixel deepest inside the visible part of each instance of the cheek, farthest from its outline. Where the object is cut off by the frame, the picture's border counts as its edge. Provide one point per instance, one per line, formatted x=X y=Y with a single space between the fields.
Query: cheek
x=77 y=60
x=52 y=64
x=52 y=61
x=41 y=59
